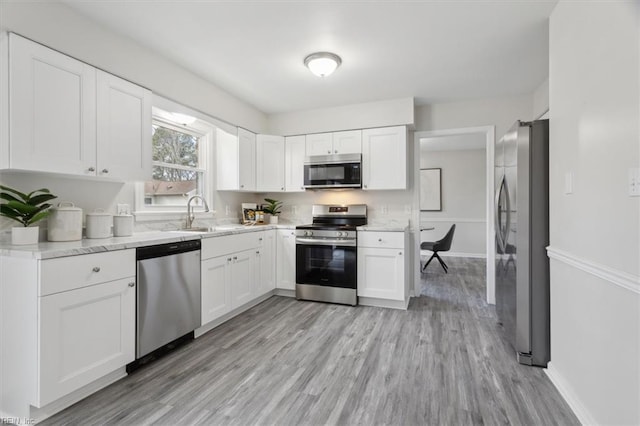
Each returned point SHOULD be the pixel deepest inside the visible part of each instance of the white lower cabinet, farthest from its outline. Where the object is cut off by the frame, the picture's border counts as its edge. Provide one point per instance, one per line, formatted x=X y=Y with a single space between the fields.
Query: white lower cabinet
x=286 y=260
x=243 y=277
x=232 y=271
x=68 y=325
x=85 y=334
x=383 y=269
x=216 y=288
x=266 y=265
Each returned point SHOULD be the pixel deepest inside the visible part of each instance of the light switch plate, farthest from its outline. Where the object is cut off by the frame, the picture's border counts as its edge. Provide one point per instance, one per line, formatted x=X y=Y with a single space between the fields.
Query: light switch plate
x=634 y=182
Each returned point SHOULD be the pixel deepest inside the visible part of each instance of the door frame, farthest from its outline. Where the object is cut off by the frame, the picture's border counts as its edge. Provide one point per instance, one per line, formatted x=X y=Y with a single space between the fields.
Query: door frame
x=489 y=132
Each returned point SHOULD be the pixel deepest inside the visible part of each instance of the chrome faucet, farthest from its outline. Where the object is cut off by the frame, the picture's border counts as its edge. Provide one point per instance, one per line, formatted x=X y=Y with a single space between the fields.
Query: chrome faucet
x=190 y=215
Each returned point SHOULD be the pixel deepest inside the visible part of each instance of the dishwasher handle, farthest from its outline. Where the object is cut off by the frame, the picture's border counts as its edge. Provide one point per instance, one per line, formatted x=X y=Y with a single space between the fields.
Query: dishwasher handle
x=160 y=250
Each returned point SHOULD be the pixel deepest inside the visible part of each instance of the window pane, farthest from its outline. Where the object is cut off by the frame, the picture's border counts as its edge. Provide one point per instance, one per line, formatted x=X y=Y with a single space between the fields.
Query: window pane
x=174 y=147
x=172 y=187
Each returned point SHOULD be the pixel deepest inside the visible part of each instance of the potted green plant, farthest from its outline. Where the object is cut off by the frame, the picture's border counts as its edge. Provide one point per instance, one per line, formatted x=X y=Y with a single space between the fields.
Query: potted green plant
x=27 y=209
x=272 y=208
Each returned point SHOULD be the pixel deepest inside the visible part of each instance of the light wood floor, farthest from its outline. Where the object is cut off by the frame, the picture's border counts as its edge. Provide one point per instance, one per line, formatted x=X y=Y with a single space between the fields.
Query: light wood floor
x=286 y=362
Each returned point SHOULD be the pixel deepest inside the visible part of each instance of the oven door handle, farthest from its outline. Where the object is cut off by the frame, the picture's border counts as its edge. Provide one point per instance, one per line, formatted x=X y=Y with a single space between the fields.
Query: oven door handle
x=326 y=242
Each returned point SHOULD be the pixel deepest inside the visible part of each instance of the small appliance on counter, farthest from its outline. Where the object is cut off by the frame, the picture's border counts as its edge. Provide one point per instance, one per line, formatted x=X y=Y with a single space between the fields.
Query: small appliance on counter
x=326 y=254
x=65 y=223
x=99 y=224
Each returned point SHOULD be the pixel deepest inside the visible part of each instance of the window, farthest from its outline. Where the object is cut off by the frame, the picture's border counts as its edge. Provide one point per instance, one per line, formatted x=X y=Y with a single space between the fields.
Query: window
x=178 y=172
x=180 y=163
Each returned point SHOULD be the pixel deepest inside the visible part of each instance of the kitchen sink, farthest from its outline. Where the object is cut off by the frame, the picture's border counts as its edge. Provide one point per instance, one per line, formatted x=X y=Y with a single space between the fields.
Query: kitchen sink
x=196 y=229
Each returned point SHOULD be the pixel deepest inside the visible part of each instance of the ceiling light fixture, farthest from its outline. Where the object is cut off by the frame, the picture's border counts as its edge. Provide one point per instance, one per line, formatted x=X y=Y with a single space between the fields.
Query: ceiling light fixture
x=322 y=64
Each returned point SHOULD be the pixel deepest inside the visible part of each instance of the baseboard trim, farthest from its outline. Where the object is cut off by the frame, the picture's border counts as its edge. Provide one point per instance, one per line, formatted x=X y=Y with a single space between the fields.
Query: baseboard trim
x=619 y=278
x=581 y=412
x=383 y=303
x=427 y=253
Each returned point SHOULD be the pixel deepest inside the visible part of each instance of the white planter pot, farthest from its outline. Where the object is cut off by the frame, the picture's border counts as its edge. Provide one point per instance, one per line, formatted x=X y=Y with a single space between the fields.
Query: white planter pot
x=22 y=236
x=273 y=219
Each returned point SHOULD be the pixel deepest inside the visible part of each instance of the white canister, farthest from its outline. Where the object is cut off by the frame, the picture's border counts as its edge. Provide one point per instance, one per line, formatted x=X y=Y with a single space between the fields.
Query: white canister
x=123 y=225
x=65 y=223
x=99 y=224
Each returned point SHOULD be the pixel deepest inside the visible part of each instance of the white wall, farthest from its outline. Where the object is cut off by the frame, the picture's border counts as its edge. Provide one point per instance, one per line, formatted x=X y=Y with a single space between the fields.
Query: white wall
x=499 y=112
x=595 y=231
x=463 y=179
x=541 y=99
x=392 y=112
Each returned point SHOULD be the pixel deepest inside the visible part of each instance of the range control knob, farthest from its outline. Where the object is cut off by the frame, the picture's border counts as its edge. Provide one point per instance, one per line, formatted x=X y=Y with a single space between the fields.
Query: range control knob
x=340 y=234
x=308 y=233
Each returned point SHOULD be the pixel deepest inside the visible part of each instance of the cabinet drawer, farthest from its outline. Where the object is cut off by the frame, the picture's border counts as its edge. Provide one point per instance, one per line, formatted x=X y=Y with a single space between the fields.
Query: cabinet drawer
x=68 y=273
x=219 y=246
x=381 y=239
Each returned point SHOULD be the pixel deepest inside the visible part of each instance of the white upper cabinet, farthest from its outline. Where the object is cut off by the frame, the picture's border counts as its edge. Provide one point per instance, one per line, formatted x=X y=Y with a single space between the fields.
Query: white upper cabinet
x=124 y=129
x=294 y=163
x=68 y=117
x=319 y=144
x=270 y=163
x=348 y=142
x=384 y=158
x=52 y=110
x=247 y=160
x=236 y=161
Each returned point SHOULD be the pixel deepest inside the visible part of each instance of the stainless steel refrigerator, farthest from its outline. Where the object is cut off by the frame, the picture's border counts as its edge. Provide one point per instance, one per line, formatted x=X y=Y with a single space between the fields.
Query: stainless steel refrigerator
x=522 y=235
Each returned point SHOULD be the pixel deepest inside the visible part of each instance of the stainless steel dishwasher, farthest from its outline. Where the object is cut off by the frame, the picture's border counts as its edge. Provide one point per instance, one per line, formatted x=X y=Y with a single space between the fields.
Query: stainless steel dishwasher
x=168 y=294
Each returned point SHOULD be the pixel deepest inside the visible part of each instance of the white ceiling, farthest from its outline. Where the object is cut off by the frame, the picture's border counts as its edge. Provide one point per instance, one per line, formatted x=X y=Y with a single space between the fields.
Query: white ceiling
x=435 y=51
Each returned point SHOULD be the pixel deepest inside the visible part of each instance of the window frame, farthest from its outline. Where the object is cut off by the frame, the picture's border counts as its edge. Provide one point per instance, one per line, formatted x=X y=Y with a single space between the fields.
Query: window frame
x=206 y=134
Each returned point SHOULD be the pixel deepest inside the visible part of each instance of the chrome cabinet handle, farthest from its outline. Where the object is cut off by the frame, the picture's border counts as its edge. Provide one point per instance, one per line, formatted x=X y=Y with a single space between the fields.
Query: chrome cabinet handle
x=96 y=269
x=282 y=188
x=379 y=240
x=92 y=169
x=260 y=239
x=132 y=284
x=235 y=257
x=105 y=170
x=229 y=260
x=400 y=253
x=241 y=186
x=257 y=252
x=335 y=152
x=329 y=152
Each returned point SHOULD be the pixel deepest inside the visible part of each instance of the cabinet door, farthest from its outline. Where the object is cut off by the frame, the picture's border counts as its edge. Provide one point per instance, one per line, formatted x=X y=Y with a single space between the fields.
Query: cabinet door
x=242 y=277
x=124 y=129
x=227 y=161
x=384 y=158
x=266 y=266
x=247 y=160
x=381 y=273
x=349 y=142
x=286 y=264
x=216 y=289
x=319 y=144
x=294 y=163
x=52 y=110
x=270 y=163
x=84 y=335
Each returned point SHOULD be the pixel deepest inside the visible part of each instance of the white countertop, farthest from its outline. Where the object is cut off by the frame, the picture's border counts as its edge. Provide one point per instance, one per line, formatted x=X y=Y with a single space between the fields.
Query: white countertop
x=49 y=250
x=392 y=225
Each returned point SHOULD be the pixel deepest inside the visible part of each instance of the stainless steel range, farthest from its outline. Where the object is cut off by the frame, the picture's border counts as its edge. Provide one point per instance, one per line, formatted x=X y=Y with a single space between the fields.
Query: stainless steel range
x=326 y=254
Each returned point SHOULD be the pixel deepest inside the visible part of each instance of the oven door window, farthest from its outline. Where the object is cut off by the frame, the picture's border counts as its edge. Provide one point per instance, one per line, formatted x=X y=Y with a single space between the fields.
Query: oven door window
x=332 y=174
x=332 y=266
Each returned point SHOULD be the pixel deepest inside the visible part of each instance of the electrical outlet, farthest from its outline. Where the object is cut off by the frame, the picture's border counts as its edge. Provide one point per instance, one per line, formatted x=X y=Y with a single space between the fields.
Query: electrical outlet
x=407 y=209
x=384 y=209
x=634 y=182
x=227 y=210
x=294 y=210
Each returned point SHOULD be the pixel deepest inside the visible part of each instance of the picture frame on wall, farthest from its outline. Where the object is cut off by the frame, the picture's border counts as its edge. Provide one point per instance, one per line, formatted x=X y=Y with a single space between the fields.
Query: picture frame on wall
x=431 y=190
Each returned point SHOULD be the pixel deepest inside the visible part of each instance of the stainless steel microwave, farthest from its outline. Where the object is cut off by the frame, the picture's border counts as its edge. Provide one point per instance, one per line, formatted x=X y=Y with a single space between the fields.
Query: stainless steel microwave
x=333 y=171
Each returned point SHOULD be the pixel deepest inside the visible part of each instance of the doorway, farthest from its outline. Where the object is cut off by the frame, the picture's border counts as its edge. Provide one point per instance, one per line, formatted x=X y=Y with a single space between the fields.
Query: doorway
x=472 y=214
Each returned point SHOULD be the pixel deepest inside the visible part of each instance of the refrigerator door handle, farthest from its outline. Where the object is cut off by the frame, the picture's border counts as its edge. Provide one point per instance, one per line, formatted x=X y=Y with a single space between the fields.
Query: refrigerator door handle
x=500 y=235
